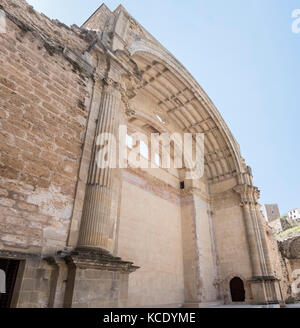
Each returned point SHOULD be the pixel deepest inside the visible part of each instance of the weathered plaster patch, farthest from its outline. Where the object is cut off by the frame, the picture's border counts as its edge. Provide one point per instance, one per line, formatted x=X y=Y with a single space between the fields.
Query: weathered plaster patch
x=52 y=202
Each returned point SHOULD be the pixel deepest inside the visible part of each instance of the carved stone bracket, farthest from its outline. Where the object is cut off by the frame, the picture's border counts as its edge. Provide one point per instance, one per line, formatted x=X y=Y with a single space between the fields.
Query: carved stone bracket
x=130 y=112
x=249 y=194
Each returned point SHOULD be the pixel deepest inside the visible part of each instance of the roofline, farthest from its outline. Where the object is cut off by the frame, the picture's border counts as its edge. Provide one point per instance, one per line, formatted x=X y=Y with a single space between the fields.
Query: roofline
x=93 y=14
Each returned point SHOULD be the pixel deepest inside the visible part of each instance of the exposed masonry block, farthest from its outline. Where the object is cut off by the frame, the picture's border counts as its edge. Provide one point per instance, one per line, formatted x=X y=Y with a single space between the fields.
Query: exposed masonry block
x=7 y=202
x=3 y=192
x=27 y=207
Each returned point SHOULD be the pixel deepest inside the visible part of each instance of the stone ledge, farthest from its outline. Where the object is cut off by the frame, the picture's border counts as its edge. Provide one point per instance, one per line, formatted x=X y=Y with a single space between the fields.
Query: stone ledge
x=18 y=255
x=263 y=278
x=98 y=260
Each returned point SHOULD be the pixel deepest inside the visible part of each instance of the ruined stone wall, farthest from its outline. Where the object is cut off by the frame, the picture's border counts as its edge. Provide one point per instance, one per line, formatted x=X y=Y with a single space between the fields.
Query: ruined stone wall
x=99 y=19
x=51 y=90
x=43 y=119
x=52 y=31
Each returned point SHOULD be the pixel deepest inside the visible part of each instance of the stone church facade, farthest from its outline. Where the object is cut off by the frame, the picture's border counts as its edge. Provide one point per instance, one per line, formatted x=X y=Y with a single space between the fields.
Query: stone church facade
x=74 y=235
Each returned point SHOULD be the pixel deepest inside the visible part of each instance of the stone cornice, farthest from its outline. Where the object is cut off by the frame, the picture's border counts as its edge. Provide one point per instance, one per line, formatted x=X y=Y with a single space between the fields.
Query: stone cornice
x=18 y=255
x=98 y=260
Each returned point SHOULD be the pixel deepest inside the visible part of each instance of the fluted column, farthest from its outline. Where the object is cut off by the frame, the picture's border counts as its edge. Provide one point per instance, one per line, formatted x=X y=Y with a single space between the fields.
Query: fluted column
x=253 y=236
x=263 y=283
x=252 y=241
x=269 y=267
x=98 y=222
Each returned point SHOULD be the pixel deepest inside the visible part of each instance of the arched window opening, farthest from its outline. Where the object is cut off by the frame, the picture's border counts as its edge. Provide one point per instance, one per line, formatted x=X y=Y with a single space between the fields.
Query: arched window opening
x=157 y=160
x=129 y=141
x=144 y=150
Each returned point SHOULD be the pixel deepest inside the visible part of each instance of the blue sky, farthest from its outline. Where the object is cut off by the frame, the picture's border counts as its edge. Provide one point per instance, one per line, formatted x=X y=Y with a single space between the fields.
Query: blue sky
x=245 y=56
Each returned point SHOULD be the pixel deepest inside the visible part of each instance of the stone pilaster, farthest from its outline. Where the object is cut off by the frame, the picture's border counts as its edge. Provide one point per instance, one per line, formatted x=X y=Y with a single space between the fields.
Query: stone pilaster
x=259 y=218
x=198 y=248
x=247 y=193
x=252 y=241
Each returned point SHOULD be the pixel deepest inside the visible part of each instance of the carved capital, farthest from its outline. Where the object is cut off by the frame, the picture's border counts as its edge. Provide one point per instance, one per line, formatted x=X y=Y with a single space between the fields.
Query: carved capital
x=108 y=82
x=249 y=194
x=98 y=80
x=109 y=86
x=132 y=84
x=130 y=112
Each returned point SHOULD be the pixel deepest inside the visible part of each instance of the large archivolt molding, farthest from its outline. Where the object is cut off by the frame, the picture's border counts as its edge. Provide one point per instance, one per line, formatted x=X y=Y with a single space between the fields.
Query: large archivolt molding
x=126 y=39
x=146 y=47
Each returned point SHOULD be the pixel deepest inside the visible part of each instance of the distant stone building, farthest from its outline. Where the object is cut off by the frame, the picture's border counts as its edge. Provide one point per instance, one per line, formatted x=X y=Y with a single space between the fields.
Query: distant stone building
x=272 y=212
x=294 y=214
x=76 y=235
x=272 y=216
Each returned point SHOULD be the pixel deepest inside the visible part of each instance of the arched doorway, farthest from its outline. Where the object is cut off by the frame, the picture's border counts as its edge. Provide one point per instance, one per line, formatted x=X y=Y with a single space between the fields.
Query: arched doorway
x=237 y=290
